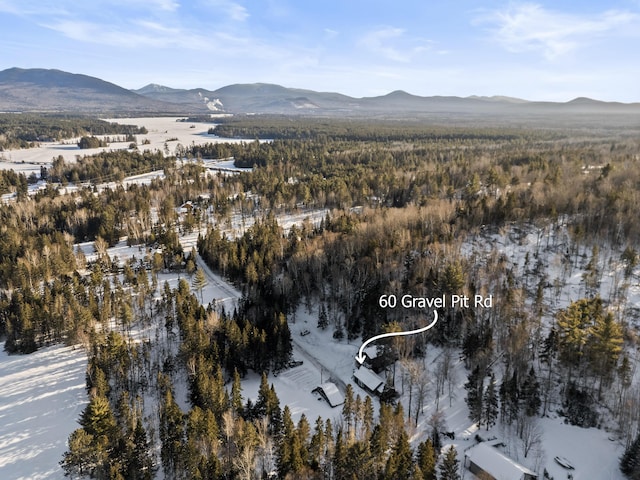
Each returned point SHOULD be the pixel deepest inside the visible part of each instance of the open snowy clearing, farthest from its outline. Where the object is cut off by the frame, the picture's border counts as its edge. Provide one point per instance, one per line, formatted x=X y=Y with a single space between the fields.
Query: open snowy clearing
x=42 y=396
x=165 y=134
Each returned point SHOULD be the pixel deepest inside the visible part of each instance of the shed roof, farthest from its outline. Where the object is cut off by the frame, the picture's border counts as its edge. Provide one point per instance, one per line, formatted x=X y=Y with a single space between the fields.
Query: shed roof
x=331 y=393
x=496 y=463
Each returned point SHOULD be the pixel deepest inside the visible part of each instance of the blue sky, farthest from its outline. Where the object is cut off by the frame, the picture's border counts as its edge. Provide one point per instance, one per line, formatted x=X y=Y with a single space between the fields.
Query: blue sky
x=534 y=50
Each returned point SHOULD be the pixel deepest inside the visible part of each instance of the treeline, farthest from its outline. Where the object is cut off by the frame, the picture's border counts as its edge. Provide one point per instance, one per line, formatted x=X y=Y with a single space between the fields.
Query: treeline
x=24 y=130
x=311 y=128
x=10 y=181
x=112 y=166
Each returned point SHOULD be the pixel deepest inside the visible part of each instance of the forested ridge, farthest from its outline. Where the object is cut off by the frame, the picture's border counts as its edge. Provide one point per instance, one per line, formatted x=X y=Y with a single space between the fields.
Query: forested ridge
x=404 y=206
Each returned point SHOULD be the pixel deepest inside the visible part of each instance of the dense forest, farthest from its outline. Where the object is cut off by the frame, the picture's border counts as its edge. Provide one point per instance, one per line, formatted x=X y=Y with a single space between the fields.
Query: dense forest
x=402 y=204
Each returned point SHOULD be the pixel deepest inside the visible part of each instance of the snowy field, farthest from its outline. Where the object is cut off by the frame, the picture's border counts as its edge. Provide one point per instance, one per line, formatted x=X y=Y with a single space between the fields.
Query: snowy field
x=161 y=131
x=41 y=398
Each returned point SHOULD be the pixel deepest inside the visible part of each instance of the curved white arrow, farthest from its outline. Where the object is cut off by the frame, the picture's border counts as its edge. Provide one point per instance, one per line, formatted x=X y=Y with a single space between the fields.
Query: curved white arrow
x=360 y=357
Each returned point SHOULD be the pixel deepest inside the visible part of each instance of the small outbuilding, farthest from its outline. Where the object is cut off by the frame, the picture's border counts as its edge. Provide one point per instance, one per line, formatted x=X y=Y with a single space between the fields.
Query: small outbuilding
x=369 y=380
x=329 y=391
x=487 y=462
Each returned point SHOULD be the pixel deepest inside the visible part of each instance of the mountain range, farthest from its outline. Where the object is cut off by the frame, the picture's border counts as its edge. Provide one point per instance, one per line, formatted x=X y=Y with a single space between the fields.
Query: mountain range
x=41 y=90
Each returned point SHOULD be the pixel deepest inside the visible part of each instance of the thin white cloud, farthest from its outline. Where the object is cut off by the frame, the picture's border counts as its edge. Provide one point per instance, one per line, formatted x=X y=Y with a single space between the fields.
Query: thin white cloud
x=330 y=33
x=149 y=5
x=28 y=8
x=168 y=5
x=530 y=27
x=392 y=43
x=230 y=9
x=145 y=35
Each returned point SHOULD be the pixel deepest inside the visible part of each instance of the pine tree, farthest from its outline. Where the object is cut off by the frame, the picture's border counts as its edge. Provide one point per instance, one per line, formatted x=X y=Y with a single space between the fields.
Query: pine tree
x=449 y=468
x=630 y=460
x=340 y=456
x=236 y=394
x=474 y=388
x=302 y=432
x=575 y=325
x=200 y=281
x=530 y=394
x=139 y=462
x=171 y=433
x=400 y=462
x=367 y=418
x=490 y=407
x=323 y=320
x=426 y=461
x=348 y=412
x=81 y=458
x=317 y=445
x=289 y=452
x=509 y=399
x=97 y=418
x=359 y=461
x=605 y=346
x=260 y=407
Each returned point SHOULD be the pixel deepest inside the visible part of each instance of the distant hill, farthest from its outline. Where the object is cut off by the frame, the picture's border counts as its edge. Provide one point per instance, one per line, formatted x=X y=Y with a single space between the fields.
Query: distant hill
x=253 y=98
x=54 y=90
x=57 y=91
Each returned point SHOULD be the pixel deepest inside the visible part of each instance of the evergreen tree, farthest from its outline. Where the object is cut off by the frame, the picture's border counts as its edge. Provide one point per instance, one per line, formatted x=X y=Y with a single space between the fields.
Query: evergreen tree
x=474 y=388
x=530 y=394
x=367 y=418
x=317 y=445
x=200 y=281
x=236 y=394
x=323 y=319
x=97 y=419
x=605 y=346
x=171 y=434
x=426 y=461
x=81 y=458
x=449 y=468
x=289 y=459
x=264 y=394
x=359 y=461
x=139 y=464
x=302 y=432
x=340 y=456
x=348 y=412
x=490 y=407
x=630 y=460
x=509 y=398
x=400 y=462
x=92 y=448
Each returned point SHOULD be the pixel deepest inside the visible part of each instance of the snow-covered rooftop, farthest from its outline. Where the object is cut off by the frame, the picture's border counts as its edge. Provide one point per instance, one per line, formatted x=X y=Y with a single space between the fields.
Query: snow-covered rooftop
x=368 y=378
x=497 y=464
x=331 y=393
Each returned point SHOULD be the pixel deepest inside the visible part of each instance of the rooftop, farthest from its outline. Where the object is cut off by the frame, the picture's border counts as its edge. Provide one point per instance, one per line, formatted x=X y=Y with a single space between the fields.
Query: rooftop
x=331 y=393
x=368 y=378
x=496 y=463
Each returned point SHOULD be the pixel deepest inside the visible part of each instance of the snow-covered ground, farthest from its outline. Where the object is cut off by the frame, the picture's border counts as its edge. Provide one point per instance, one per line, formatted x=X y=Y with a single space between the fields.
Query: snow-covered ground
x=164 y=133
x=42 y=395
x=41 y=398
